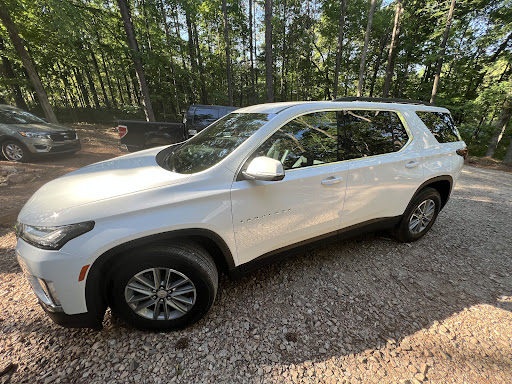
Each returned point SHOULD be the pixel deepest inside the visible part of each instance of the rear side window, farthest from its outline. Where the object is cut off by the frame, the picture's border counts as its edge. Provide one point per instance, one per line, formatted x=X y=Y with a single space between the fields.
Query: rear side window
x=370 y=133
x=205 y=116
x=441 y=125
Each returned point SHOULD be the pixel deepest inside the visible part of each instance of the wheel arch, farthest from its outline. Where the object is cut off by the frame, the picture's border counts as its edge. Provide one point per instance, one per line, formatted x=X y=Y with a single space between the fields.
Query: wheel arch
x=442 y=184
x=97 y=281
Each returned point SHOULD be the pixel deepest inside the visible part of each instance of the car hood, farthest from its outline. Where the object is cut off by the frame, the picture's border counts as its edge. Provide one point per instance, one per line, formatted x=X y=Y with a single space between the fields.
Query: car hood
x=125 y=175
x=40 y=127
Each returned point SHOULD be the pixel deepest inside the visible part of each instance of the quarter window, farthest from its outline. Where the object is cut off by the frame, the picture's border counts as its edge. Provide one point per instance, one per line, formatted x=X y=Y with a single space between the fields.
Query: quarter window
x=305 y=141
x=370 y=133
x=441 y=125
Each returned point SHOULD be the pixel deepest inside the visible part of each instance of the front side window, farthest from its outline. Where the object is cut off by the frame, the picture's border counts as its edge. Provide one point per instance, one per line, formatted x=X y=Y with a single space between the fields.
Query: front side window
x=215 y=142
x=370 y=133
x=305 y=141
x=17 y=116
x=441 y=125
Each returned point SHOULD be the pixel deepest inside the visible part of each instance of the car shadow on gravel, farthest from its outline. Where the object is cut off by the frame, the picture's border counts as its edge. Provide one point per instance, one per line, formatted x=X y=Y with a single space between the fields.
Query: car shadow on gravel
x=358 y=295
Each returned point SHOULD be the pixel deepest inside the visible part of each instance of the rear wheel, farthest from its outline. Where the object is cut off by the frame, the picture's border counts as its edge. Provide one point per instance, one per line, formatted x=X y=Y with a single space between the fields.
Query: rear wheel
x=13 y=150
x=163 y=287
x=419 y=216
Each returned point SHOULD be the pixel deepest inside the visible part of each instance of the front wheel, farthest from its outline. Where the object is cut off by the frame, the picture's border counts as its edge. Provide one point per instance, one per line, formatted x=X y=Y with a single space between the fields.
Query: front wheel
x=15 y=151
x=419 y=216
x=163 y=288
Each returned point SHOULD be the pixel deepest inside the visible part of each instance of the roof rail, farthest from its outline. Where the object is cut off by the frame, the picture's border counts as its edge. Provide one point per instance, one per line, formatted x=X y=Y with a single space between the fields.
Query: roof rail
x=383 y=100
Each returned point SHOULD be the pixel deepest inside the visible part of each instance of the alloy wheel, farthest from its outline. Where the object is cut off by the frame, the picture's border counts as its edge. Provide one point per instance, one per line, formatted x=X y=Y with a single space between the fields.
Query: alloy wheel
x=13 y=152
x=422 y=216
x=160 y=294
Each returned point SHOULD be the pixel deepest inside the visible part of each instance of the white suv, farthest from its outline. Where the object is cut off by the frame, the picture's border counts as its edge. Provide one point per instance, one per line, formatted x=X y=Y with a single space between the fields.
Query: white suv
x=148 y=233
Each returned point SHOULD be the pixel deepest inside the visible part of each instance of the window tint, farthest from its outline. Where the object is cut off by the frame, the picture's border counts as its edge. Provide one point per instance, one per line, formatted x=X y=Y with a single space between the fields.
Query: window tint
x=205 y=116
x=369 y=133
x=17 y=116
x=214 y=143
x=441 y=125
x=305 y=141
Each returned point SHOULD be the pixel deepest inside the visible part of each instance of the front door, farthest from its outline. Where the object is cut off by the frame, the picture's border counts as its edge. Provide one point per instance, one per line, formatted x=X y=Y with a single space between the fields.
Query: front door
x=307 y=203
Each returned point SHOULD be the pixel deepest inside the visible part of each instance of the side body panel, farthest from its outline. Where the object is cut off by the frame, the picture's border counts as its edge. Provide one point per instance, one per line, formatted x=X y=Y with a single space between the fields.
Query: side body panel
x=269 y=215
x=439 y=159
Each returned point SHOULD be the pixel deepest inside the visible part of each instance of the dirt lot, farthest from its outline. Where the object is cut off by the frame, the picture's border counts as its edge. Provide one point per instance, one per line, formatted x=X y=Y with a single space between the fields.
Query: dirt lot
x=365 y=310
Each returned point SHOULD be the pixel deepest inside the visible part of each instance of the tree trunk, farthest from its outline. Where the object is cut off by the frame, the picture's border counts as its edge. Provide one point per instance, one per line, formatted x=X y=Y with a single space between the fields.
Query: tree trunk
x=383 y=42
x=501 y=125
x=146 y=24
x=92 y=87
x=339 y=51
x=442 y=51
x=508 y=156
x=256 y=71
x=97 y=68
x=365 y=47
x=268 y=51
x=405 y=74
x=119 y=87
x=27 y=62
x=283 y=63
x=171 y=60
x=253 y=82
x=10 y=75
x=178 y=34
x=228 y=52
x=204 y=94
x=191 y=52
x=137 y=62
x=392 y=50
x=109 y=83
x=67 y=88
x=81 y=87
x=129 y=89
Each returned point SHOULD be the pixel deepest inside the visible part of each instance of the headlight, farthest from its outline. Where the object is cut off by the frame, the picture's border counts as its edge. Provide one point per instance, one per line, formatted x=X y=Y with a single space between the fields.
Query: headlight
x=35 y=135
x=51 y=237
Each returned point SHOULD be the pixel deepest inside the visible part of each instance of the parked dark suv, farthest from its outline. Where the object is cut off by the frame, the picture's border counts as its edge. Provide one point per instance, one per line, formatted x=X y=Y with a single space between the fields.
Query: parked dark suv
x=24 y=136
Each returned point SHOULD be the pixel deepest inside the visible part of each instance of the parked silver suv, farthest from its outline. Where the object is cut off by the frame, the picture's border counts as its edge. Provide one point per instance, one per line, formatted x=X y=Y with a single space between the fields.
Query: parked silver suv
x=24 y=136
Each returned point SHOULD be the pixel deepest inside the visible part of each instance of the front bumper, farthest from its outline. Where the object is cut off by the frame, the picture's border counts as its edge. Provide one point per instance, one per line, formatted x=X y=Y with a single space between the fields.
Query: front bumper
x=54 y=280
x=49 y=147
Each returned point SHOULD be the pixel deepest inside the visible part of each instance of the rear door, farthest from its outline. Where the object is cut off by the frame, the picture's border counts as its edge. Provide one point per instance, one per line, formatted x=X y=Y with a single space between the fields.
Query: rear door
x=307 y=203
x=385 y=166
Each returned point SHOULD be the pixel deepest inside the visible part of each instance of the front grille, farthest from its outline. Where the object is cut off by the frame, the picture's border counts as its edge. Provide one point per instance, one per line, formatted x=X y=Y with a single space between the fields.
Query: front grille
x=63 y=136
x=66 y=147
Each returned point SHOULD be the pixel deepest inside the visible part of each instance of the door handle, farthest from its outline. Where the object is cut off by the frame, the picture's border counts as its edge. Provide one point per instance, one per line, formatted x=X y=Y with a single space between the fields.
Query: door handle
x=412 y=164
x=332 y=180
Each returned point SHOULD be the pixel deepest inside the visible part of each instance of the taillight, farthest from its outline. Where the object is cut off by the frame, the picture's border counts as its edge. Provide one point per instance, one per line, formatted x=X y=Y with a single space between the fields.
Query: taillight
x=462 y=152
x=122 y=130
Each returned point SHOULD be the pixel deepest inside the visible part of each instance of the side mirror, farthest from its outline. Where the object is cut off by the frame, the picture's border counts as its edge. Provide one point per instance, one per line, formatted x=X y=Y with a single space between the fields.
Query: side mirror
x=264 y=168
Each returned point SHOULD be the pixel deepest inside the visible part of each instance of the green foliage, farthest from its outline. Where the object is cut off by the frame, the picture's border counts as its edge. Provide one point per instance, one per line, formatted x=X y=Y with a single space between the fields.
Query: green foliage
x=81 y=53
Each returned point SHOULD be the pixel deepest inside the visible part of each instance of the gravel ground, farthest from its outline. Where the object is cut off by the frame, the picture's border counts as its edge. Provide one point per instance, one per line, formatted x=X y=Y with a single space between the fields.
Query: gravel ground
x=360 y=311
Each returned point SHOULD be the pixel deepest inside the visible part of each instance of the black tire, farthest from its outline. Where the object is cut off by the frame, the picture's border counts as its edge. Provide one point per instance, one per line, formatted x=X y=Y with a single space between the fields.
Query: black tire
x=187 y=260
x=13 y=150
x=403 y=231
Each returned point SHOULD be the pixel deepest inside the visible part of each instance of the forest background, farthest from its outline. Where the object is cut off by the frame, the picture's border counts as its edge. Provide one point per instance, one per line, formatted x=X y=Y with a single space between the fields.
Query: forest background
x=99 y=61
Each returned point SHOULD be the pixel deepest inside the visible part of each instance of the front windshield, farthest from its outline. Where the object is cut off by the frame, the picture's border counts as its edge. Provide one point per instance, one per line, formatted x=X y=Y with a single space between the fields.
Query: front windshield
x=215 y=142
x=17 y=116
